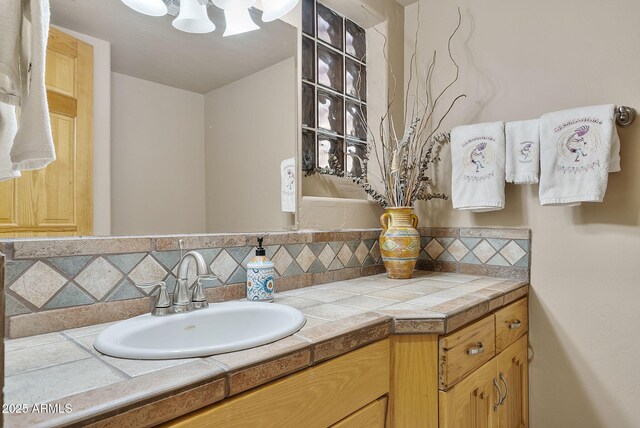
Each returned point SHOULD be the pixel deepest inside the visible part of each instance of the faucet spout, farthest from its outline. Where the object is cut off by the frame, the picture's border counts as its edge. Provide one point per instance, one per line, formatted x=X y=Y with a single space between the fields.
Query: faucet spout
x=181 y=295
x=201 y=265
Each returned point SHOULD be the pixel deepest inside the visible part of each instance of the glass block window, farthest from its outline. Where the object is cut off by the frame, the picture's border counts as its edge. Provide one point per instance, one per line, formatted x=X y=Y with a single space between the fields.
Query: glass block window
x=334 y=91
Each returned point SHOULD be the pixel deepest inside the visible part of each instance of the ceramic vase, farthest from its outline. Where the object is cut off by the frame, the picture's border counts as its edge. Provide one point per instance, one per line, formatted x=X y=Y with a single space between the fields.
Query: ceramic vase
x=399 y=241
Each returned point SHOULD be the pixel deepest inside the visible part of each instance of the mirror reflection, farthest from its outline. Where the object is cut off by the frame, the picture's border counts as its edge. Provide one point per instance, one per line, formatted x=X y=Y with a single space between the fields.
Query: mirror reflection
x=160 y=131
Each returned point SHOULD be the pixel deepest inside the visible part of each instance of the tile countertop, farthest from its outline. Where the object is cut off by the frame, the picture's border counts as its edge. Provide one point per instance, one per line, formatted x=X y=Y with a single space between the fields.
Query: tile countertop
x=64 y=369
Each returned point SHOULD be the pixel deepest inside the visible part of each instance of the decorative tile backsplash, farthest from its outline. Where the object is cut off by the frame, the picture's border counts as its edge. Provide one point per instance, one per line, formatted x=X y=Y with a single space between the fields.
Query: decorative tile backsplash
x=491 y=252
x=35 y=284
x=69 y=273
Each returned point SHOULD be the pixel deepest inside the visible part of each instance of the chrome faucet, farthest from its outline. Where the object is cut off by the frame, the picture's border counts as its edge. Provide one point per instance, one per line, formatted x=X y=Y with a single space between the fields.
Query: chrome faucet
x=183 y=299
x=162 y=305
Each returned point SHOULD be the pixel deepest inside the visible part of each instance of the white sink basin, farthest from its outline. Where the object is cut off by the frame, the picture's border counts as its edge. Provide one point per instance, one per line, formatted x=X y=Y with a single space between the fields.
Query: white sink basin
x=222 y=327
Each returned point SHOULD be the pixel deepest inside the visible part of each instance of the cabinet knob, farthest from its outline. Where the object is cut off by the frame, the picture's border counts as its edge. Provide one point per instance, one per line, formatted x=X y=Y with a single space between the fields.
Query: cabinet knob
x=475 y=350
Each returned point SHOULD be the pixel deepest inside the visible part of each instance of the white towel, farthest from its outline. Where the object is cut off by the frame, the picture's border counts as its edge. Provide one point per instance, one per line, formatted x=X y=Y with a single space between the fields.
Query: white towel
x=10 y=82
x=523 y=151
x=33 y=145
x=478 y=156
x=578 y=148
x=10 y=75
x=8 y=128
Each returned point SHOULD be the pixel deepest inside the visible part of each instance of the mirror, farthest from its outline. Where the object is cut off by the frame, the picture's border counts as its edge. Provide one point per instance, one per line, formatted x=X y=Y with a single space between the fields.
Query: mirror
x=188 y=130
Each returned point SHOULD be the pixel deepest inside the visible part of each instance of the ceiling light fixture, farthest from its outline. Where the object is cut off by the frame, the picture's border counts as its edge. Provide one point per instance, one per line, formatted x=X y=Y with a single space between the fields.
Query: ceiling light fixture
x=193 y=17
x=236 y=15
x=276 y=9
x=147 y=7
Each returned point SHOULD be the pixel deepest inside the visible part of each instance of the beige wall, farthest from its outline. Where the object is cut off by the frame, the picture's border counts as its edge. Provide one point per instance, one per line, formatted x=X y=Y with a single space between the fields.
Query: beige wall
x=157 y=152
x=250 y=127
x=520 y=60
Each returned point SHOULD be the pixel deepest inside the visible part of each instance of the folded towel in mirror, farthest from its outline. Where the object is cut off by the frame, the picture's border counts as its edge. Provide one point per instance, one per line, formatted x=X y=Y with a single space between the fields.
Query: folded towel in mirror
x=578 y=149
x=478 y=159
x=522 y=164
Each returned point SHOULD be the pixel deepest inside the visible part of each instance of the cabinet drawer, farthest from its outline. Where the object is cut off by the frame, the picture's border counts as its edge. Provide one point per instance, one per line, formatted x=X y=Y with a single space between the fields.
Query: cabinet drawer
x=512 y=322
x=462 y=351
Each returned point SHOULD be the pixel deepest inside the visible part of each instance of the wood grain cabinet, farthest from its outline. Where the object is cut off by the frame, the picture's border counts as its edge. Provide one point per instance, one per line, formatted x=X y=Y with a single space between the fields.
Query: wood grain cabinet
x=348 y=386
x=496 y=394
x=474 y=377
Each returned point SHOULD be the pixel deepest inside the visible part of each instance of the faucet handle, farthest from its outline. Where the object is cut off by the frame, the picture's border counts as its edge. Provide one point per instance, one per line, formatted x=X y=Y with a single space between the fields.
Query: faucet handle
x=198 y=297
x=206 y=277
x=163 y=302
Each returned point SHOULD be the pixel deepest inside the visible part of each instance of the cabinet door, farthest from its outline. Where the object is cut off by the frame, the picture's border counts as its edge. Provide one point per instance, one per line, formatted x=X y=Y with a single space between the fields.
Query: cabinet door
x=514 y=381
x=58 y=200
x=370 y=416
x=472 y=402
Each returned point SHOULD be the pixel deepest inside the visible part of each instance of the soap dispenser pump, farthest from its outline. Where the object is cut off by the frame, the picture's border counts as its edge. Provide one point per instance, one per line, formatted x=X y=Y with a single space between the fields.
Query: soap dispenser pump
x=260 y=276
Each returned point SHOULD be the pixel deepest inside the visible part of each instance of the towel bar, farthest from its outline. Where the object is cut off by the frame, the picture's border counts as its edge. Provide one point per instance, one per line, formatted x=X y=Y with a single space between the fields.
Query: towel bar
x=625 y=116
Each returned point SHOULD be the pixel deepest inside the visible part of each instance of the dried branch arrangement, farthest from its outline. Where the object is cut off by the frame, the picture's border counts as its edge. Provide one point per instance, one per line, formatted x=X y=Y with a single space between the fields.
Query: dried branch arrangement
x=404 y=160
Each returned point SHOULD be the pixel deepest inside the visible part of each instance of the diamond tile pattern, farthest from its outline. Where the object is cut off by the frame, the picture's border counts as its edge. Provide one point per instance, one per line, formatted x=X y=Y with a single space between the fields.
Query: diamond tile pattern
x=223 y=266
x=305 y=258
x=38 y=284
x=458 y=250
x=434 y=249
x=75 y=280
x=484 y=251
x=281 y=260
x=344 y=255
x=512 y=252
x=149 y=270
x=375 y=252
x=99 y=278
x=361 y=252
x=326 y=256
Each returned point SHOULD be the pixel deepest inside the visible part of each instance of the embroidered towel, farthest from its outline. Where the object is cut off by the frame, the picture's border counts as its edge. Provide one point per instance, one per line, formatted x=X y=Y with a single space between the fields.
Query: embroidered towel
x=576 y=149
x=523 y=151
x=478 y=157
x=33 y=145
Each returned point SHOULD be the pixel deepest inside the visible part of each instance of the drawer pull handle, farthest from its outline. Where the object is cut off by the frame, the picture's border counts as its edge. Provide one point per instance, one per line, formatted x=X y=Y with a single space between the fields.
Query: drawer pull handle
x=515 y=324
x=475 y=350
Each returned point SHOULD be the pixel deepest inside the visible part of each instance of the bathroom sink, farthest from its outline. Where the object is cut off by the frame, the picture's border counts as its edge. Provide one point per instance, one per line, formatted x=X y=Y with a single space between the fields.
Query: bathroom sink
x=222 y=327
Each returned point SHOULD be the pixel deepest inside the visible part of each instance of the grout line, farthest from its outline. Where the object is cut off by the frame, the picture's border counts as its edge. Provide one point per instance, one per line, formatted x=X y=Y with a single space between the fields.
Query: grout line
x=88 y=356
x=96 y=355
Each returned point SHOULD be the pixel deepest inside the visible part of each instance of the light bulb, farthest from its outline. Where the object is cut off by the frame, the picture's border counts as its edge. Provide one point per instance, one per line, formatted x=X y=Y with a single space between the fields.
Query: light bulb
x=193 y=18
x=238 y=21
x=275 y=9
x=147 y=7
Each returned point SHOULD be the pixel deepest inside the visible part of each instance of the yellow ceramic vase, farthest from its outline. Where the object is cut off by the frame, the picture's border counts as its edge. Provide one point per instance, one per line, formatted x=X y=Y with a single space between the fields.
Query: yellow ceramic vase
x=399 y=242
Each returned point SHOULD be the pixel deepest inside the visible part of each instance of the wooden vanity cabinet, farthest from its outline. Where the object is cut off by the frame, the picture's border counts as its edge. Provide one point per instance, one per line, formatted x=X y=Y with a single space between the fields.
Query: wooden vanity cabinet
x=496 y=394
x=474 y=377
x=513 y=372
x=351 y=386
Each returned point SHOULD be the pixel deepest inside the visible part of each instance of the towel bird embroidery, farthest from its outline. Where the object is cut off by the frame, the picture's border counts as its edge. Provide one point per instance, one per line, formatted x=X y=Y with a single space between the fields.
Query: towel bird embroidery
x=477 y=156
x=576 y=142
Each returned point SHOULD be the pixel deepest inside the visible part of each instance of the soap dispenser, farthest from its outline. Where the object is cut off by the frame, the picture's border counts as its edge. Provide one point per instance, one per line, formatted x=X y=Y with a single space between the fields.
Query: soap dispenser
x=260 y=276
